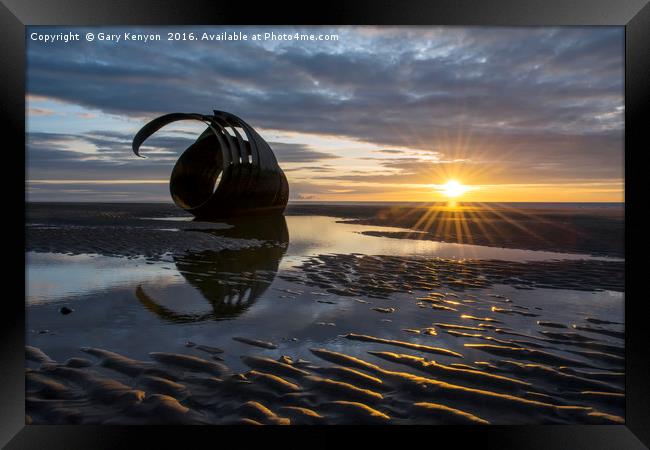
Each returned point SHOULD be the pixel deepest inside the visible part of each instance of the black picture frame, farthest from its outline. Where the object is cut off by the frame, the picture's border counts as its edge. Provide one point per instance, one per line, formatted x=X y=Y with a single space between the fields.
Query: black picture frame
x=634 y=15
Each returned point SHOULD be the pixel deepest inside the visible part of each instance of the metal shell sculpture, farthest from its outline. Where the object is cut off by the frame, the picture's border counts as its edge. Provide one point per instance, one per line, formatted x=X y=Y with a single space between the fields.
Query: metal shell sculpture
x=228 y=171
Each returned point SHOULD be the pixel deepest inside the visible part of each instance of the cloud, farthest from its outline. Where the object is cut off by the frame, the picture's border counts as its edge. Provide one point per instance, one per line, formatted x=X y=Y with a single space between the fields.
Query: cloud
x=298 y=153
x=543 y=103
x=113 y=147
x=533 y=78
x=390 y=151
x=98 y=155
x=35 y=112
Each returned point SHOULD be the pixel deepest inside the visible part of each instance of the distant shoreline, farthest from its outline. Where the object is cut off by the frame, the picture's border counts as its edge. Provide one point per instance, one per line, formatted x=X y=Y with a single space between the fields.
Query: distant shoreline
x=344 y=202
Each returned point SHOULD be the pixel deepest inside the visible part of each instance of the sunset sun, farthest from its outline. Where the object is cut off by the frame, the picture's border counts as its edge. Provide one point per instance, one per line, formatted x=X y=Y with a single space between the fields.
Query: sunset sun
x=453 y=189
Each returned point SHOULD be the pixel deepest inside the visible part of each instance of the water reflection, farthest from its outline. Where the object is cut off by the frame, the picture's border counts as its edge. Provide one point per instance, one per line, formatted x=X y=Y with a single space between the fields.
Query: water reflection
x=229 y=280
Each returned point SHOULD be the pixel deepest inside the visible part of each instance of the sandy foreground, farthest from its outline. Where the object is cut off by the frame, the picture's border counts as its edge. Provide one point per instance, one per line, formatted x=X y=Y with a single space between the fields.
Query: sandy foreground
x=288 y=333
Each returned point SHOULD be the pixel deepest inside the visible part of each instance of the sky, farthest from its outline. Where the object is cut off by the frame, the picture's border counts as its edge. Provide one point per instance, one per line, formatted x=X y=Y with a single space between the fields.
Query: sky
x=371 y=114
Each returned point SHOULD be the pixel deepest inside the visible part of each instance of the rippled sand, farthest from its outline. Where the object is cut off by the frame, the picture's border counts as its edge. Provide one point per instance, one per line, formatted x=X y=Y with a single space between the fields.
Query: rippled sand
x=252 y=331
x=521 y=379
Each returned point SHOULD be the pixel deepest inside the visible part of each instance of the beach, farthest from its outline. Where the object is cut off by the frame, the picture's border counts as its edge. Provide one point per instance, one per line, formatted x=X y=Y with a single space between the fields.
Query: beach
x=330 y=314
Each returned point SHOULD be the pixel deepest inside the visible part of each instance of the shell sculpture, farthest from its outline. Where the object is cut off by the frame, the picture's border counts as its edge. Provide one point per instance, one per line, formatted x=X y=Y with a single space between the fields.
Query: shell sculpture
x=229 y=171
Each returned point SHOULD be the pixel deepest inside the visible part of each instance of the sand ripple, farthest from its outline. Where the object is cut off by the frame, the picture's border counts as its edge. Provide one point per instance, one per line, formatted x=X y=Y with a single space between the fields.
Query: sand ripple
x=380 y=276
x=186 y=389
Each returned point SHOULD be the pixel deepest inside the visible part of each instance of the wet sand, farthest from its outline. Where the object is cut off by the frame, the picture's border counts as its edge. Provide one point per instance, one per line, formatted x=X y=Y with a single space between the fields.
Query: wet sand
x=242 y=324
x=583 y=228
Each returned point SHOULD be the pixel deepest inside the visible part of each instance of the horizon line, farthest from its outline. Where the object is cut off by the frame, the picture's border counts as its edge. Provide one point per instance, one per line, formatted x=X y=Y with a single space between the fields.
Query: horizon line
x=336 y=202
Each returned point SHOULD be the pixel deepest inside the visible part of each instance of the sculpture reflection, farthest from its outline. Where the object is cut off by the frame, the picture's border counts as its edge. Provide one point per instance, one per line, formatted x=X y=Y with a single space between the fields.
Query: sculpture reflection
x=229 y=280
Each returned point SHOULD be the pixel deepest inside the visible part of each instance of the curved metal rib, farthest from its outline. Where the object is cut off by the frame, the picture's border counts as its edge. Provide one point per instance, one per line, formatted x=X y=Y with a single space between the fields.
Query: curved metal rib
x=156 y=124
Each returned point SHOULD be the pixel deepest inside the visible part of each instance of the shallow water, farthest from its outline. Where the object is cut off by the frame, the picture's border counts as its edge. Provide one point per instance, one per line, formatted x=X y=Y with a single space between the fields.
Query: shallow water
x=313 y=235
x=288 y=290
x=53 y=276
